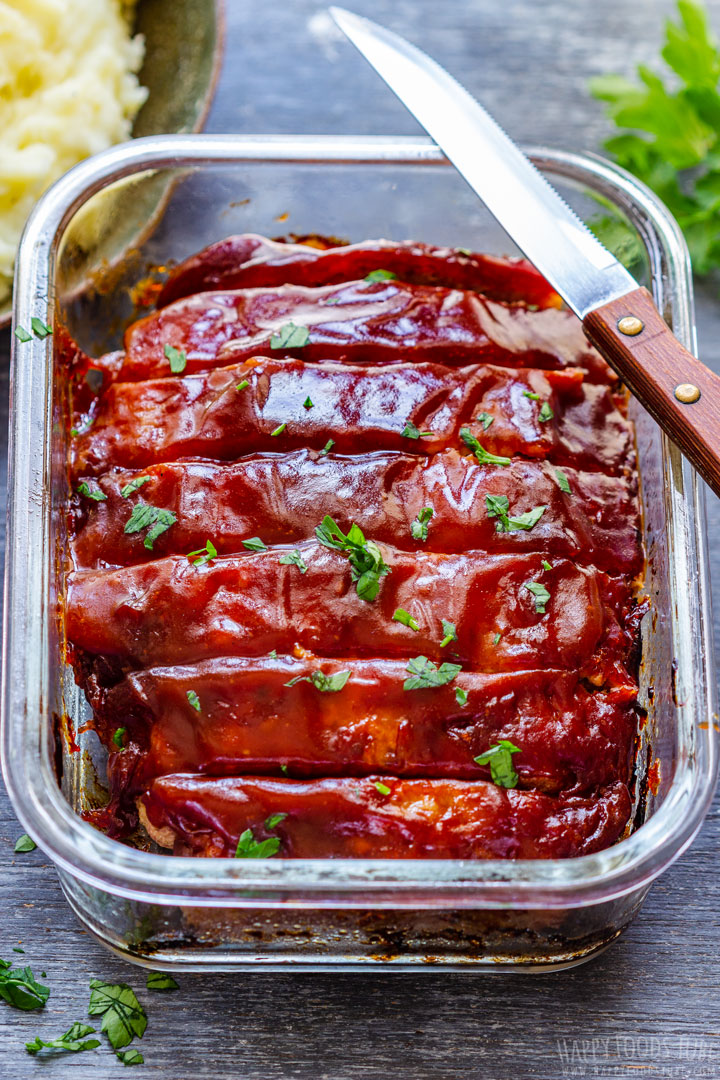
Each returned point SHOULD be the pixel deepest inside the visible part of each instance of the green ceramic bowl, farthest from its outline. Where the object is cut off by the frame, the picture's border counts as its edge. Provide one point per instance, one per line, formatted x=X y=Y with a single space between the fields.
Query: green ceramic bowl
x=183 y=53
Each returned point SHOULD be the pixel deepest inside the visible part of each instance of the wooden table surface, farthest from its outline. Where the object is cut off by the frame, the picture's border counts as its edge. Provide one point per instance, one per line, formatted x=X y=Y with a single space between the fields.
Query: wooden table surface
x=648 y=1006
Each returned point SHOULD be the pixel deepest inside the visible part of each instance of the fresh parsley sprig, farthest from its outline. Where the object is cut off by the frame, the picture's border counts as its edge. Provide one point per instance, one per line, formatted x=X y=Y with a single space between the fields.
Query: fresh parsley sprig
x=71 y=1041
x=20 y=988
x=366 y=561
x=327 y=684
x=483 y=456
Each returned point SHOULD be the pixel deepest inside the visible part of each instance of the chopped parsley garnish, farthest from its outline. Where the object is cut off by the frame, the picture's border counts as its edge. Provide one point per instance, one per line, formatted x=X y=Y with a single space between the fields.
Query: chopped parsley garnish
x=481 y=454
x=194 y=700
x=540 y=594
x=545 y=413
x=381 y=275
x=254 y=544
x=562 y=481
x=278 y=430
x=485 y=419
x=290 y=336
x=366 y=561
x=498 y=507
x=383 y=789
x=243 y=385
x=91 y=493
x=499 y=758
x=327 y=447
x=123 y=1017
x=21 y=334
x=463 y=251
x=24 y=843
x=274 y=820
x=133 y=485
x=152 y=518
x=419 y=527
x=177 y=358
x=496 y=639
x=160 y=980
x=308 y=403
x=250 y=848
x=404 y=617
x=119 y=737
x=294 y=558
x=425 y=674
x=411 y=432
x=20 y=988
x=70 y=1041
x=461 y=696
x=273 y=655
x=130 y=1057
x=327 y=684
x=39 y=328
x=203 y=555
x=450 y=632
x=531 y=395
x=284 y=770
x=546 y=565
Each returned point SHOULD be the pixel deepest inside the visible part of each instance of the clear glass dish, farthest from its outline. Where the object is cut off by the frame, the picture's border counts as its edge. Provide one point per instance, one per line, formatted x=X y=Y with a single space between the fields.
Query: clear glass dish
x=333 y=914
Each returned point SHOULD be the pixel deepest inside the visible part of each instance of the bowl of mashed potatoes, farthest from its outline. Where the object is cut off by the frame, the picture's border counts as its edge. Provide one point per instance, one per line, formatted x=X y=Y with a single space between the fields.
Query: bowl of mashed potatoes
x=77 y=76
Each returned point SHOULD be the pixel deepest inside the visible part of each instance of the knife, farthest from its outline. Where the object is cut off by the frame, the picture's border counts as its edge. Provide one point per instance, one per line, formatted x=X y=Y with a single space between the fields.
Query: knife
x=619 y=317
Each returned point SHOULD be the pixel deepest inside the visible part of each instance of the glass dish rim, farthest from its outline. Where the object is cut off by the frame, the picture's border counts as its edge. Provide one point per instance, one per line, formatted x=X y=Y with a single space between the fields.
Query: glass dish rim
x=89 y=855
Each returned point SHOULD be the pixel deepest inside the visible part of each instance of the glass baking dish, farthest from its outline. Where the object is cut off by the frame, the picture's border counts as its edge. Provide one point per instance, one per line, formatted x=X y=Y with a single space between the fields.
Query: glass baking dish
x=178 y=193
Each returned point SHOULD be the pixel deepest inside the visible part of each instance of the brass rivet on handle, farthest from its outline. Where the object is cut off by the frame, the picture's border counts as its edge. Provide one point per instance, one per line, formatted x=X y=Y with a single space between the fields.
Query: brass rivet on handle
x=687 y=393
x=630 y=325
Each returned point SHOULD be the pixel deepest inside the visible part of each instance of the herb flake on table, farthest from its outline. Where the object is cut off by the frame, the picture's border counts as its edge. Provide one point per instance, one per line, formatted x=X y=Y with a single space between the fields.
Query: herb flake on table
x=134 y=485
x=419 y=527
x=153 y=518
x=160 y=980
x=123 y=1017
x=20 y=988
x=540 y=595
x=366 y=561
x=203 y=555
x=71 y=1041
x=130 y=1057
x=482 y=455
x=24 y=843
x=250 y=848
x=424 y=674
x=177 y=358
x=294 y=558
x=290 y=336
x=327 y=684
x=499 y=758
x=402 y=616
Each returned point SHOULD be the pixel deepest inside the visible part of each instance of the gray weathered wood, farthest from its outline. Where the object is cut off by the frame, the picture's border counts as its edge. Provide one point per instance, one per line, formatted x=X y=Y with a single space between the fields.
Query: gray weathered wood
x=648 y=1006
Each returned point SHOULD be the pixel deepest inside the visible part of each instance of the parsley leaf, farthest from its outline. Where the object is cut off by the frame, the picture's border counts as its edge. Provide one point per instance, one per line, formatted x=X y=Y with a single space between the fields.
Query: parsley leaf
x=130 y=1057
x=485 y=419
x=419 y=527
x=177 y=358
x=366 y=561
x=21 y=334
x=328 y=684
x=480 y=453
x=411 y=432
x=404 y=617
x=254 y=544
x=70 y=1041
x=194 y=700
x=274 y=820
x=498 y=506
x=496 y=639
x=449 y=631
x=425 y=674
x=39 y=328
x=119 y=737
x=327 y=447
x=250 y=848
x=381 y=275
x=160 y=980
x=294 y=558
x=499 y=758
x=133 y=485
x=24 y=843
x=531 y=395
x=540 y=594
x=243 y=385
x=546 y=565
x=152 y=518
x=461 y=696
x=20 y=988
x=562 y=481
x=290 y=336
x=278 y=430
x=204 y=555
x=123 y=1017
x=308 y=403
x=545 y=413
x=383 y=789
x=91 y=493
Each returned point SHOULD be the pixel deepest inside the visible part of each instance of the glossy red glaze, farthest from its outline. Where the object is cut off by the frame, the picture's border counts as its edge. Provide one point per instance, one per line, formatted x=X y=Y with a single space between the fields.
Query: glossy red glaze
x=357 y=322
x=249 y=261
x=439 y=819
x=360 y=409
x=277 y=496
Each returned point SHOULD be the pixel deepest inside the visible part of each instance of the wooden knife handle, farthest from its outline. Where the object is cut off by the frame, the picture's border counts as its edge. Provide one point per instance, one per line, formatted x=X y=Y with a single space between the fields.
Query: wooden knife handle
x=677 y=390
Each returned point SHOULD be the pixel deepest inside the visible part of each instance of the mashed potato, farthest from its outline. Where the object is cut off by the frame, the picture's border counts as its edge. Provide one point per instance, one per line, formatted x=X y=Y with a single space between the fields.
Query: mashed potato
x=68 y=88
